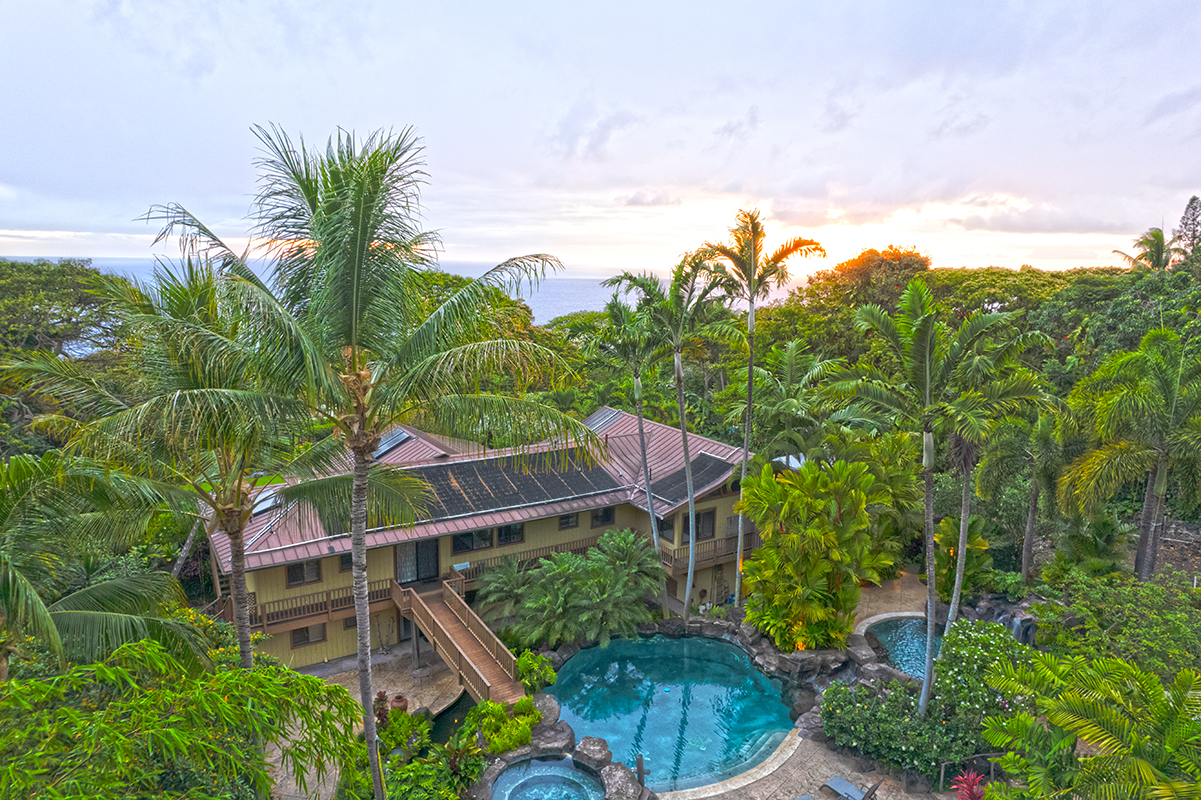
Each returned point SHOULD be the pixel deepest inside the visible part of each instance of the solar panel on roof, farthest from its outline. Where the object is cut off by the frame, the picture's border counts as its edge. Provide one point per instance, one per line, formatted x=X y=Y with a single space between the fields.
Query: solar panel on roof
x=705 y=470
x=601 y=419
x=391 y=440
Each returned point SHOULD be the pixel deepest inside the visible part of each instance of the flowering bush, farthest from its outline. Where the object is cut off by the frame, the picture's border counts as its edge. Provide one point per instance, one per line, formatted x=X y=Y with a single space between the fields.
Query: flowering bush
x=888 y=729
x=222 y=639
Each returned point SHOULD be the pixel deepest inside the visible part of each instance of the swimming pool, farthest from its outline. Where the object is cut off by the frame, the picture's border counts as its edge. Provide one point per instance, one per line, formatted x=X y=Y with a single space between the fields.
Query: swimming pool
x=904 y=640
x=553 y=779
x=696 y=709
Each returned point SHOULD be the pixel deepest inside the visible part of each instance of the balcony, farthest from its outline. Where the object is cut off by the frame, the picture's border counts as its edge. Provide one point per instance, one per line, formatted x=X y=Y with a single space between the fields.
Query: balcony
x=709 y=552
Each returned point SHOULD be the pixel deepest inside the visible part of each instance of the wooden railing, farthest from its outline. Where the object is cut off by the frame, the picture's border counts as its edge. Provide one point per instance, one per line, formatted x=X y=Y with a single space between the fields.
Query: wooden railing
x=527 y=558
x=313 y=604
x=482 y=633
x=445 y=647
x=709 y=552
x=456 y=581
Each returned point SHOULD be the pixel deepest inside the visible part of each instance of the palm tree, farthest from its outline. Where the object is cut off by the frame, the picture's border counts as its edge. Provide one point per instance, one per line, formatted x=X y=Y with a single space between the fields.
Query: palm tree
x=212 y=427
x=748 y=275
x=50 y=508
x=629 y=340
x=1019 y=445
x=352 y=323
x=1155 y=251
x=793 y=401
x=1142 y=410
x=924 y=397
x=682 y=313
x=1142 y=736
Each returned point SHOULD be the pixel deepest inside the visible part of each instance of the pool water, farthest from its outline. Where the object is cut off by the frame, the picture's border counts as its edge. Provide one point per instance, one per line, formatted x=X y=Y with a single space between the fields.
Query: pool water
x=554 y=779
x=904 y=640
x=696 y=709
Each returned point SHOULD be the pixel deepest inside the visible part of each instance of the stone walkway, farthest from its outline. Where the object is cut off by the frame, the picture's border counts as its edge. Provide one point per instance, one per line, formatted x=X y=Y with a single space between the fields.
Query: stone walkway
x=432 y=686
x=802 y=771
x=905 y=594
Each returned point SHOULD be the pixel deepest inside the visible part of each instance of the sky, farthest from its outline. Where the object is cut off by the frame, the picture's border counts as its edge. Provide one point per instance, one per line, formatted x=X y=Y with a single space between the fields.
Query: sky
x=620 y=135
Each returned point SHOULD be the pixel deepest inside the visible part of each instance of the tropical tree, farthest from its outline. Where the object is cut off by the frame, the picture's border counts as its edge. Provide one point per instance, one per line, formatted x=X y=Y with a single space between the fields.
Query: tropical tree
x=933 y=361
x=1155 y=251
x=1018 y=445
x=748 y=274
x=962 y=565
x=353 y=329
x=682 y=313
x=1142 y=737
x=51 y=509
x=499 y=589
x=817 y=549
x=214 y=424
x=1142 y=411
x=140 y=724
x=629 y=340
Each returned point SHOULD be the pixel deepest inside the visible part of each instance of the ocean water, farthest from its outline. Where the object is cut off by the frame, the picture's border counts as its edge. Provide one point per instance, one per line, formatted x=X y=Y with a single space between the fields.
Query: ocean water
x=560 y=293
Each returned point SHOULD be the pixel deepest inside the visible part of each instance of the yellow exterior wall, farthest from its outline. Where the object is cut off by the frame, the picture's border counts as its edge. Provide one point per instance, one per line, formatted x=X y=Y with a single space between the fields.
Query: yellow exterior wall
x=272 y=583
x=339 y=641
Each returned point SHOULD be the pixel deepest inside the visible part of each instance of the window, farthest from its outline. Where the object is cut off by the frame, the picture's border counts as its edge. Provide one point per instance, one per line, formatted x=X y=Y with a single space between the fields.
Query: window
x=706 y=525
x=300 y=574
x=350 y=622
x=345 y=562
x=310 y=635
x=510 y=534
x=569 y=521
x=473 y=540
x=603 y=516
x=667 y=528
x=732 y=526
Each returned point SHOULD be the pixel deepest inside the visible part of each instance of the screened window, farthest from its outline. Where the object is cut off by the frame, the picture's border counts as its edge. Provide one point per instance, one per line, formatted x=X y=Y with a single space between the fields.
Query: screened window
x=706 y=525
x=510 y=534
x=310 y=635
x=345 y=562
x=569 y=521
x=300 y=574
x=667 y=528
x=603 y=516
x=350 y=622
x=474 y=540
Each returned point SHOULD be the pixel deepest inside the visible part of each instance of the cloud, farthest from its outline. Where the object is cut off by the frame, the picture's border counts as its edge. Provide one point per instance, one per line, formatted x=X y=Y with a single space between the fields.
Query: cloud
x=742 y=127
x=1173 y=103
x=582 y=134
x=646 y=197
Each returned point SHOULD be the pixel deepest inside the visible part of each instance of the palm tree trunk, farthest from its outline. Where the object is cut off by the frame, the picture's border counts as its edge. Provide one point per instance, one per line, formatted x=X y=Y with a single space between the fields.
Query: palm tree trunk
x=362 y=611
x=931 y=594
x=746 y=435
x=688 y=483
x=186 y=550
x=237 y=581
x=1158 y=491
x=965 y=511
x=650 y=502
x=1028 y=538
x=1146 y=524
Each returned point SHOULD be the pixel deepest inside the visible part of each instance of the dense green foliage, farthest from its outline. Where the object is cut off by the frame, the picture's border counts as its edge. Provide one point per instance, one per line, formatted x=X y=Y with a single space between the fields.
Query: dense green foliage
x=139 y=725
x=535 y=672
x=977 y=566
x=1097 y=729
x=1156 y=624
x=887 y=727
x=570 y=597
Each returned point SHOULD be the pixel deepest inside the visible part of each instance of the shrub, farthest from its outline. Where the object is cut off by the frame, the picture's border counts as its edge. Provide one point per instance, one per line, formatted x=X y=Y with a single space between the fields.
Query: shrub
x=406 y=732
x=1010 y=584
x=889 y=730
x=501 y=730
x=535 y=672
x=977 y=566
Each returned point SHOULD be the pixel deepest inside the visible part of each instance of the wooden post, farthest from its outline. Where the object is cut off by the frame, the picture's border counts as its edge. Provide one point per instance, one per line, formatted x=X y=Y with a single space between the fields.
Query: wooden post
x=416 y=643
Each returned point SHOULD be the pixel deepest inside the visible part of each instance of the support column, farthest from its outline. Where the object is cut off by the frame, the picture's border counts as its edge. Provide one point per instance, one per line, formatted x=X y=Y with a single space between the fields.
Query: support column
x=416 y=637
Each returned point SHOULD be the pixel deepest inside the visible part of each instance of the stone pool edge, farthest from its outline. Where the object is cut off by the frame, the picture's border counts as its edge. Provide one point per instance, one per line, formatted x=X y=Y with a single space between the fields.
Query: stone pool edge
x=783 y=752
x=861 y=627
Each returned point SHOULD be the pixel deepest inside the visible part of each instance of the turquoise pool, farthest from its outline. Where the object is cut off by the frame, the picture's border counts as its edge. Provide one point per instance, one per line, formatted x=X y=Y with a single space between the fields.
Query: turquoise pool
x=904 y=639
x=696 y=709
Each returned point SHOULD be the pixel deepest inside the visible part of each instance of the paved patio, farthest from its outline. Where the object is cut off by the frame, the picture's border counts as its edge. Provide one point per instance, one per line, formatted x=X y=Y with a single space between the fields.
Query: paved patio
x=799 y=766
x=906 y=594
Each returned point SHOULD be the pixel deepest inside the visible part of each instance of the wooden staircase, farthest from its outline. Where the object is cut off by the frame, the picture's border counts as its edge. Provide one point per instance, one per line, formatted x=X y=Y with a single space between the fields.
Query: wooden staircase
x=481 y=662
x=503 y=686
